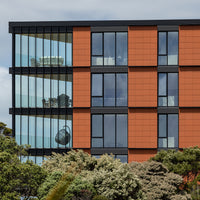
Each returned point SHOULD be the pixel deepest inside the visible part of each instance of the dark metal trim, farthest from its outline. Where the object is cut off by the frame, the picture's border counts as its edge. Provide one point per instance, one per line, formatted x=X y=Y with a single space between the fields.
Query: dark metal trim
x=168 y=69
x=110 y=28
x=143 y=66
x=46 y=152
x=167 y=28
x=123 y=69
x=118 y=151
x=168 y=110
x=189 y=66
x=109 y=110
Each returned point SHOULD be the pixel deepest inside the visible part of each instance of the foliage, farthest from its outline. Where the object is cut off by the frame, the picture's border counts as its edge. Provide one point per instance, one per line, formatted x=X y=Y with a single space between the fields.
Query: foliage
x=5 y=130
x=100 y=197
x=157 y=181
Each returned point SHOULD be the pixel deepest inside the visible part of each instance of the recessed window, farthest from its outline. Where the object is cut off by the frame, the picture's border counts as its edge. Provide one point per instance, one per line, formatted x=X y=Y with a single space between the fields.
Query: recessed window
x=109 y=130
x=109 y=48
x=109 y=89
x=168 y=89
x=168 y=131
x=168 y=48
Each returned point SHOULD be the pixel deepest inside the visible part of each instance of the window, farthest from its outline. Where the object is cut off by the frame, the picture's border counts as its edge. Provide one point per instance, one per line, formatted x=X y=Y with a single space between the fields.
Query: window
x=109 y=48
x=168 y=131
x=168 y=48
x=168 y=89
x=48 y=49
x=123 y=158
x=109 y=130
x=109 y=89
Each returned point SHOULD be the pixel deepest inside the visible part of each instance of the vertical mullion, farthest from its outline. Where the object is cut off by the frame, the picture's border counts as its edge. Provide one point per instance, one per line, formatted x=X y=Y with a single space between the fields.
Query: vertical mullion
x=167 y=46
x=103 y=46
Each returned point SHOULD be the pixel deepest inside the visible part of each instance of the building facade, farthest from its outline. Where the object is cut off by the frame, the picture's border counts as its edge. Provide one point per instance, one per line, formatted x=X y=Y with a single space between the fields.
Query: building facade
x=129 y=88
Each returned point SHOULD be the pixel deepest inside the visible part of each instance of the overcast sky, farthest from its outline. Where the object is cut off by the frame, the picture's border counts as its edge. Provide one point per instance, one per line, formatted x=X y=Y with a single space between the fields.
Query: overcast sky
x=64 y=10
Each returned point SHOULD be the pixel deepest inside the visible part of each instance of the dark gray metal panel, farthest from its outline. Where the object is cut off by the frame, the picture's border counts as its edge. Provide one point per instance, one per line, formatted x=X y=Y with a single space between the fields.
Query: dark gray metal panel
x=142 y=66
x=104 y=110
x=109 y=69
x=168 y=110
x=168 y=28
x=119 y=151
x=109 y=28
x=168 y=69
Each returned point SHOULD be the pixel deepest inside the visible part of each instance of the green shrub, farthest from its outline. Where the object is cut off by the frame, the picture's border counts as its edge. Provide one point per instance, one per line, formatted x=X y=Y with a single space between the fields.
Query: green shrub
x=99 y=197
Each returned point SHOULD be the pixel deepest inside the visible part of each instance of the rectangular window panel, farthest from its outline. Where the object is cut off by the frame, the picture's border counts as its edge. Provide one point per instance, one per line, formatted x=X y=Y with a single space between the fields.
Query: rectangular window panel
x=97 y=101
x=17 y=91
x=109 y=130
x=39 y=131
x=32 y=50
x=162 y=43
x=162 y=101
x=109 y=90
x=68 y=129
x=54 y=49
x=121 y=133
x=39 y=50
x=32 y=127
x=24 y=91
x=97 y=60
x=162 y=91
x=31 y=91
x=172 y=48
x=97 y=142
x=97 y=44
x=39 y=90
x=109 y=48
x=123 y=158
x=62 y=49
x=173 y=130
x=46 y=99
x=17 y=50
x=97 y=84
x=172 y=89
x=63 y=99
x=121 y=95
x=24 y=129
x=18 y=129
x=162 y=60
x=97 y=125
x=24 y=50
x=54 y=91
x=162 y=142
x=162 y=125
x=68 y=89
x=62 y=136
x=46 y=58
x=54 y=130
x=121 y=48
x=68 y=49
x=46 y=131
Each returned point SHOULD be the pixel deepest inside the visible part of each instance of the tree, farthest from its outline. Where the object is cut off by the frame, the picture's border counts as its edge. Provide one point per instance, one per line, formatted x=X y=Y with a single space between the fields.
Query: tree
x=5 y=130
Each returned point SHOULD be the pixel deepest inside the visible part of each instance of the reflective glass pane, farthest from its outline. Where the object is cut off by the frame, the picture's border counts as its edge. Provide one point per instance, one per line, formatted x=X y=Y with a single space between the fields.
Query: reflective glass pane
x=97 y=101
x=109 y=48
x=121 y=93
x=46 y=131
x=61 y=49
x=162 y=43
x=68 y=129
x=17 y=129
x=31 y=91
x=121 y=48
x=123 y=158
x=32 y=158
x=39 y=90
x=17 y=50
x=24 y=159
x=172 y=89
x=97 y=142
x=69 y=49
x=31 y=50
x=172 y=48
x=39 y=131
x=97 y=60
x=24 y=91
x=54 y=91
x=162 y=143
x=62 y=136
x=162 y=91
x=162 y=101
x=54 y=130
x=68 y=89
x=162 y=60
x=32 y=131
x=17 y=91
x=162 y=125
x=109 y=130
x=97 y=45
x=109 y=90
x=97 y=125
x=121 y=131
x=54 y=49
x=39 y=50
x=63 y=99
x=97 y=84
x=39 y=160
x=46 y=99
x=46 y=58
x=24 y=50
x=24 y=129
x=172 y=130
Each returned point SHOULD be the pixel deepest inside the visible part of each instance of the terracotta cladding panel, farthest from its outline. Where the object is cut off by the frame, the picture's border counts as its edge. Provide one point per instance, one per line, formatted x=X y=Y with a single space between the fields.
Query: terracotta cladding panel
x=81 y=128
x=142 y=128
x=142 y=87
x=142 y=46
x=81 y=46
x=189 y=45
x=140 y=155
x=81 y=87
x=189 y=87
x=189 y=127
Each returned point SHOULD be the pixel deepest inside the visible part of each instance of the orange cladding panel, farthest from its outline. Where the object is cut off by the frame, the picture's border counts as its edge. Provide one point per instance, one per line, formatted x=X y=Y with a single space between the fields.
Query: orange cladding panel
x=140 y=155
x=142 y=128
x=81 y=128
x=142 y=46
x=81 y=46
x=81 y=87
x=189 y=87
x=189 y=45
x=142 y=87
x=189 y=127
